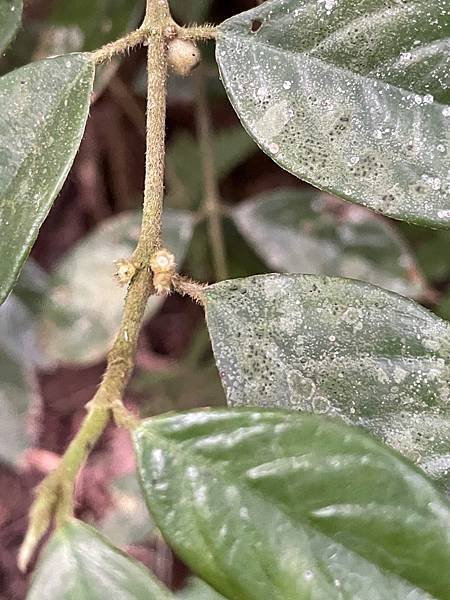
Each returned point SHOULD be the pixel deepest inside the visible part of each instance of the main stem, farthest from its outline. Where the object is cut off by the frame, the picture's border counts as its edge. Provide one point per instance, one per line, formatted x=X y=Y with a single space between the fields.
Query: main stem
x=55 y=494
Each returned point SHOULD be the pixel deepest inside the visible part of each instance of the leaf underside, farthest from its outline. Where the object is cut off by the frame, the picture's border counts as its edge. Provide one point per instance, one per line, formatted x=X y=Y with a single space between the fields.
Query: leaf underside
x=349 y=96
x=341 y=348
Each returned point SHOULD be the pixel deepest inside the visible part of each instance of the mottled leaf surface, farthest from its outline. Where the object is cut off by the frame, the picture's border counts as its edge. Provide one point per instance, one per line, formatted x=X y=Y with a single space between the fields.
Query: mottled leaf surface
x=349 y=96
x=85 y=305
x=302 y=231
x=18 y=392
x=286 y=506
x=79 y=564
x=10 y=18
x=43 y=112
x=341 y=348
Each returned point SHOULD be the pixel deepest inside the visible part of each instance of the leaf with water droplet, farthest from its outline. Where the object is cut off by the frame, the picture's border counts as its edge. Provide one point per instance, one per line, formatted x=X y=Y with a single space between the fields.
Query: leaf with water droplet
x=274 y=504
x=43 y=112
x=79 y=563
x=340 y=347
x=352 y=97
x=10 y=19
x=303 y=231
x=83 y=312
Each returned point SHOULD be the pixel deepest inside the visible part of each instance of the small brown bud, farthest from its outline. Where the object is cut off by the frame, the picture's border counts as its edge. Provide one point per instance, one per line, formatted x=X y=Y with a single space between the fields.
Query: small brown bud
x=183 y=56
x=125 y=271
x=163 y=265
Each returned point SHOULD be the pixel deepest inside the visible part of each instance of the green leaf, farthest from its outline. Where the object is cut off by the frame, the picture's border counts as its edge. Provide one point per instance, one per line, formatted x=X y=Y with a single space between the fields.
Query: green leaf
x=18 y=392
x=85 y=304
x=79 y=564
x=43 y=112
x=88 y=24
x=339 y=347
x=286 y=506
x=303 y=231
x=349 y=96
x=10 y=19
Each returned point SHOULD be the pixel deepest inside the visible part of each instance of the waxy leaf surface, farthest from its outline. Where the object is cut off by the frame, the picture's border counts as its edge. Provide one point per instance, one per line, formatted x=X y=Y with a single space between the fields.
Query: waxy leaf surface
x=274 y=504
x=352 y=97
x=79 y=564
x=43 y=112
x=342 y=348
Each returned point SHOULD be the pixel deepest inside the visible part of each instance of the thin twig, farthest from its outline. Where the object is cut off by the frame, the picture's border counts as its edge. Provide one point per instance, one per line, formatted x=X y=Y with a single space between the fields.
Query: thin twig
x=211 y=203
x=121 y=46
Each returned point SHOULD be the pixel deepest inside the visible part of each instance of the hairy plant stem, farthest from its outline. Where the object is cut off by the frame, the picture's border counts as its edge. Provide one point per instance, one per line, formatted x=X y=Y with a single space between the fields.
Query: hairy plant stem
x=211 y=202
x=55 y=494
x=147 y=31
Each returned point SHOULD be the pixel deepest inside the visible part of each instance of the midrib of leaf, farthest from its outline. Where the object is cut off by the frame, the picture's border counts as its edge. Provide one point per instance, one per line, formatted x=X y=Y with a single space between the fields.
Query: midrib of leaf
x=193 y=458
x=347 y=72
x=37 y=143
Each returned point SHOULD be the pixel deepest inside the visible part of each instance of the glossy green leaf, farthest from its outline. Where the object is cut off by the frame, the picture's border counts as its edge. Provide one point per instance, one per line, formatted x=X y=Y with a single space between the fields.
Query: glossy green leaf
x=85 y=305
x=79 y=564
x=88 y=24
x=342 y=348
x=10 y=19
x=302 y=231
x=18 y=393
x=349 y=96
x=286 y=506
x=43 y=112
x=198 y=590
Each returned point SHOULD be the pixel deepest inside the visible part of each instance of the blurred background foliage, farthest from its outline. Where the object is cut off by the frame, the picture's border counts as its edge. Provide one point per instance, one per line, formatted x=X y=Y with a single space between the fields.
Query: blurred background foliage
x=56 y=327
